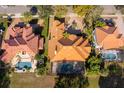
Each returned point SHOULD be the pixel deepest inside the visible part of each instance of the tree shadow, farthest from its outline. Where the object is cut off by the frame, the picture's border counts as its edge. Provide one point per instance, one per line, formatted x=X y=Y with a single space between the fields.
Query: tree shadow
x=2 y=26
x=74 y=31
x=62 y=20
x=37 y=29
x=33 y=21
x=4 y=75
x=114 y=79
x=71 y=81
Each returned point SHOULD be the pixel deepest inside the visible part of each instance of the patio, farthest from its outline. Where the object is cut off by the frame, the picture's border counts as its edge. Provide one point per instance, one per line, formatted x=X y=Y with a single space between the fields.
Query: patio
x=22 y=61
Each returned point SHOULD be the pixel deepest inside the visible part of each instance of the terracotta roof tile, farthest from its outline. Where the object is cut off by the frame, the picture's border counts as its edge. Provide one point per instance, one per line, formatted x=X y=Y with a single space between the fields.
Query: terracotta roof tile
x=109 y=40
x=25 y=40
x=69 y=49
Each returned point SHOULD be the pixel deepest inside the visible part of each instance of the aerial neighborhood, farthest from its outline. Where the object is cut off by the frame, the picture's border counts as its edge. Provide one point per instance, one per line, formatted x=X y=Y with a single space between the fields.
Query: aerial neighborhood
x=79 y=46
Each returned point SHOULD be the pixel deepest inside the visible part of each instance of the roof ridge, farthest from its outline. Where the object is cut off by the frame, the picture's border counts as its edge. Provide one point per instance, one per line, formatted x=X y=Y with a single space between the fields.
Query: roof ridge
x=79 y=52
x=30 y=37
x=83 y=52
x=78 y=41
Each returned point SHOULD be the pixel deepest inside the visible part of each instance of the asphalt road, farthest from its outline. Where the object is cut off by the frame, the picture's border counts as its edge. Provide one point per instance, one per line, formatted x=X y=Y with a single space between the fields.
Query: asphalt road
x=13 y=9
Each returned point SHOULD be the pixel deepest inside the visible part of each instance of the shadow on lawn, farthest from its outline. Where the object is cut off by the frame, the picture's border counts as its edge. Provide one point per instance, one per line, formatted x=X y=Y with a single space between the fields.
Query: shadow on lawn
x=115 y=79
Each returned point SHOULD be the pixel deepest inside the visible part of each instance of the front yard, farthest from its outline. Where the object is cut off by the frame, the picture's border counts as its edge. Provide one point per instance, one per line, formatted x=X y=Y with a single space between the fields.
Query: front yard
x=29 y=80
x=93 y=81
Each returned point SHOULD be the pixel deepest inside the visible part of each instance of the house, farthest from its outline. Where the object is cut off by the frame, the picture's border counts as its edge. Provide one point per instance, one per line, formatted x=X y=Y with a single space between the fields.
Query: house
x=67 y=51
x=109 y=40
x=20 y=44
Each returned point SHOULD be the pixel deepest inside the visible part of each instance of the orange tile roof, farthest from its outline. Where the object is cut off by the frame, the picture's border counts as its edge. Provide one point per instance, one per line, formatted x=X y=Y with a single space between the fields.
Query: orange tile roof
x=68 y=53
x=73 y=48
x=26 y=41
x=108 y=38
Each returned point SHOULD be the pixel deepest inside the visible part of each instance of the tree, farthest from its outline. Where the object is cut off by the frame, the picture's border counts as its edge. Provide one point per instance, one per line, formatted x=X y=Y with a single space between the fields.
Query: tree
x=90 y=19
x=65 y=34
x=114 y=78
x=92 y=16
x=4 y=75
x=82 y=10
x=27 y=17
x=94 y=64
x=99 y=23
x=39 y=57
x=42 y=67
x=33 y=10
x=71 y=81
x=41 y=64
x=60 y=11
x=44 y=10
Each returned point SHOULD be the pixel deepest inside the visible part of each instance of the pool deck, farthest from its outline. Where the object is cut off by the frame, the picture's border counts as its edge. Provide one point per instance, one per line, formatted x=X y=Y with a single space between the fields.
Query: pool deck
x=115 y=52
x=19 y=57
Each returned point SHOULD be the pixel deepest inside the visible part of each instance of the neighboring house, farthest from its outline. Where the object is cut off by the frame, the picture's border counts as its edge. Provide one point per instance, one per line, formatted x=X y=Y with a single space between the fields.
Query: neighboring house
x=109 y=40
x=21 y=45
x=66 y=52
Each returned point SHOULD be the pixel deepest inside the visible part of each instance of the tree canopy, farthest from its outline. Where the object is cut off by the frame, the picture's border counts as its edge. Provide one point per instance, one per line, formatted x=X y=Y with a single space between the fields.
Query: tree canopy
x=71 y=81
x=99 y=23
x=94 y=64
x=60 y=10
x=4 y=75
x=82 y=10
x=39 y=57
x=27 y=17
x=90 y=19
x=45 y=10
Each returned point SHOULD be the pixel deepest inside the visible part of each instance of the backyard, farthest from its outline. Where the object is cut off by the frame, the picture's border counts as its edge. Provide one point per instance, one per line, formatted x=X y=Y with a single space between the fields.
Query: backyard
x=93 y=81
x=29 y=80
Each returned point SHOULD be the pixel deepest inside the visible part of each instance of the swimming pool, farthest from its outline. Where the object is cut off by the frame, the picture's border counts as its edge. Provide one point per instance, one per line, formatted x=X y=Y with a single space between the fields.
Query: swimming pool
x=70 y=68
x=110 y=56
x=22 y=65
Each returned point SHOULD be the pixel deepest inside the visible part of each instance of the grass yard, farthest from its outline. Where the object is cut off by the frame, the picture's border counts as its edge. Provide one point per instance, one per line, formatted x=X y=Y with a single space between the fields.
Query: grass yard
x=93 y=81
x=5 y=24
x=29 y=80
x=45 y=34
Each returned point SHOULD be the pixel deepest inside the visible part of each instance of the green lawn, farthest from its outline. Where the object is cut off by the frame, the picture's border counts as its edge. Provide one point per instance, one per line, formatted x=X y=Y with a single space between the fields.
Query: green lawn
x=93 y=81
x=5 y=23
x=45 y=34
x=29 y=80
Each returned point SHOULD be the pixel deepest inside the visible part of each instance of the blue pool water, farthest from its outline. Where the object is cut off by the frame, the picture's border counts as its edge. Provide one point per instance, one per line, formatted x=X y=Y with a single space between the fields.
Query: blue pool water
x=110 y=56
x=22 y=65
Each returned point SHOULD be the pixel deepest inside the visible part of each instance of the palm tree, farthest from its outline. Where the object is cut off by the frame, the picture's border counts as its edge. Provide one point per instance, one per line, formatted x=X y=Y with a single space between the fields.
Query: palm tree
x=60 y=11
x=44 y=10
x=27 y=17
x=82 y=10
